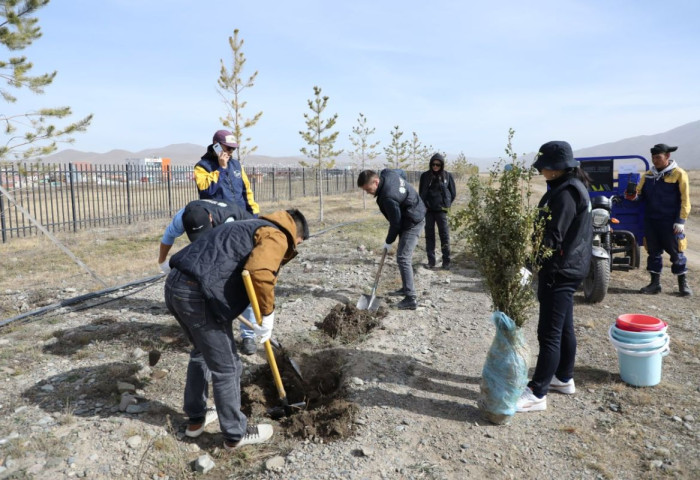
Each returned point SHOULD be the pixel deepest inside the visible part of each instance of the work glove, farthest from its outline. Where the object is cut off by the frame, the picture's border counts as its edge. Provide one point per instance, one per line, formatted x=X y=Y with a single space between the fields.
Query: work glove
x=387 y=246
x=264 y=332
x=165 y=267
x=525 y=276
x=678 y=228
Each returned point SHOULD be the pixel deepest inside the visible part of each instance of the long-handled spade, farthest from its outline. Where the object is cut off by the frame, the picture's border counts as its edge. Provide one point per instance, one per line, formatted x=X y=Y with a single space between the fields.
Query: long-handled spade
x=370 y=302
x=286 y=408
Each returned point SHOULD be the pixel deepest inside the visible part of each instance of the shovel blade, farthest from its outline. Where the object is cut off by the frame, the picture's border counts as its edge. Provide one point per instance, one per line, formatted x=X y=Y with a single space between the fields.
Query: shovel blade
x=368 y=302
x=364 y=302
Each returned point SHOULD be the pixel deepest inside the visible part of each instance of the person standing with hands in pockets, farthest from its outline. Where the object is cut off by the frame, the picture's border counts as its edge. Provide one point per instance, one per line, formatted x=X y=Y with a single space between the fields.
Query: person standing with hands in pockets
x=437 y=190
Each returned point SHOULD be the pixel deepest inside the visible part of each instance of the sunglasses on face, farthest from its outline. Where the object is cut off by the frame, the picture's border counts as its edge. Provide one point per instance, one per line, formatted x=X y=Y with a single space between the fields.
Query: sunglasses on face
x=435 y=165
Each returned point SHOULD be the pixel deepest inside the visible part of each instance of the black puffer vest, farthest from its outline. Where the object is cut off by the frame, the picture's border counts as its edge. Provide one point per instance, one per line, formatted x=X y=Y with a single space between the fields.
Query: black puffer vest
x=216 y=261
x=573 y=259
x=222 y=210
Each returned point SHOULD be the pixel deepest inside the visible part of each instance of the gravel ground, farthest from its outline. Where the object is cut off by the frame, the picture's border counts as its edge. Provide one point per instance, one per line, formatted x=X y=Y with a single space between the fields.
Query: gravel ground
x=415 y=381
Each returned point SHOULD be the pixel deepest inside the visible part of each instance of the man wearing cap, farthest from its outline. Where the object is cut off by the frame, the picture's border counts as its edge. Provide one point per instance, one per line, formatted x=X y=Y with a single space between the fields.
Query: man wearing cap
x=219 y=176
x=205 y=293
x=665 y=189
x=197 y=218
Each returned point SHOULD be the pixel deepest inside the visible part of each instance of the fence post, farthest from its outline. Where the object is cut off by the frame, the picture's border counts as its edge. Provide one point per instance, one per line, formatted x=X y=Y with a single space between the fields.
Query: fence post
x=303 y=181
x=128 y=196
x=170 y=192
x=289 y=176
x=72 y=196
x=274 y=195
x=2 y=218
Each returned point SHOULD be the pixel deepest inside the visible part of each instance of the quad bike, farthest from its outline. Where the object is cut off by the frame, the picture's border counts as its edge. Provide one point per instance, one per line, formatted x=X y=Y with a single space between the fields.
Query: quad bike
x=618 y=224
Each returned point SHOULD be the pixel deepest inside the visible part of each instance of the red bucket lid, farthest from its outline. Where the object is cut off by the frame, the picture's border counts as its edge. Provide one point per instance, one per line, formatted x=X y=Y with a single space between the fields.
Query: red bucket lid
x=637 y=322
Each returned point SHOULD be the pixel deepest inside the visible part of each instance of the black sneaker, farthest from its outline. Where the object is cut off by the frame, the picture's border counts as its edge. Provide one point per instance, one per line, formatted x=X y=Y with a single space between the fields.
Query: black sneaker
x=408 y=303
x=397 y=293
x=248 y=346
x=445 y=266
x=429 y=266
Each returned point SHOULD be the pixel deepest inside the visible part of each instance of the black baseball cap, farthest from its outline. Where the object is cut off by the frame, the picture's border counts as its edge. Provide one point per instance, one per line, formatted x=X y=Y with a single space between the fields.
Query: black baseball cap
x=662 y=148
x=196 y=221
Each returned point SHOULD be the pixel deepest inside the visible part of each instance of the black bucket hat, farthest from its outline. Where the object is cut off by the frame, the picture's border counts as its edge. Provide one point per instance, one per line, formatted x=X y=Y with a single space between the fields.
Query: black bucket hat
x=662 y=148
x=555 y=155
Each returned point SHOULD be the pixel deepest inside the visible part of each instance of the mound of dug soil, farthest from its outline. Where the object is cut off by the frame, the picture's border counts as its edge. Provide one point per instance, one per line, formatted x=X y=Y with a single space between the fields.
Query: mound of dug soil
x=348 y=324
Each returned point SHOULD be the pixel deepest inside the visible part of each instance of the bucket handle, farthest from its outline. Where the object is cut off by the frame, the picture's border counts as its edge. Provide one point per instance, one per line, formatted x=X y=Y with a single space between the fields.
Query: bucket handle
x=664 y=350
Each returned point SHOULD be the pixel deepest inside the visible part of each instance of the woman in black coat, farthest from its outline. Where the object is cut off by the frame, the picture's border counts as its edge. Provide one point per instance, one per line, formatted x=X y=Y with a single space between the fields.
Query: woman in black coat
x=568 y=233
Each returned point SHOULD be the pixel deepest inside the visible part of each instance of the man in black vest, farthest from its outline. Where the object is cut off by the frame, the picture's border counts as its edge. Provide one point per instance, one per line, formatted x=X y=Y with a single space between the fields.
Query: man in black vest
x=198 y=217
x=205 y=293
x=400 y=204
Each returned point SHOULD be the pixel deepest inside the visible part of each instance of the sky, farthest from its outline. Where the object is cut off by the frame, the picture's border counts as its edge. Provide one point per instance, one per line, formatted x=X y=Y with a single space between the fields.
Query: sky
x=457 y=73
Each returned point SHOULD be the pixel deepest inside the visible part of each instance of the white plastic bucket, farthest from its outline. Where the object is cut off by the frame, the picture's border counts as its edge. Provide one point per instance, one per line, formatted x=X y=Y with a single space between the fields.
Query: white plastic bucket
x=642 y=368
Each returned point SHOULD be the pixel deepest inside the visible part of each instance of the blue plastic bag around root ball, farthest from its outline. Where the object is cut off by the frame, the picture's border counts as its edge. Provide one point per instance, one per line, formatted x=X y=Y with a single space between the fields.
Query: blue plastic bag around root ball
x=504 y=376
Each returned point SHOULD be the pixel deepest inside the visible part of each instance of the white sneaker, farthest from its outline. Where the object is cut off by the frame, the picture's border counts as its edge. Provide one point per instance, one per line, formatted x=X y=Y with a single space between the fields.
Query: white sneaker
x=254 y=434
x=528 y=402
x=195 y=429
x=567 y=388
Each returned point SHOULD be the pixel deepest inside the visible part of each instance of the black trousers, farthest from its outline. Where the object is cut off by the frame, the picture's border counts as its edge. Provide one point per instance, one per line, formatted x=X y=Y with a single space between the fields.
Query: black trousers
x=555 y=332
x=439 y=218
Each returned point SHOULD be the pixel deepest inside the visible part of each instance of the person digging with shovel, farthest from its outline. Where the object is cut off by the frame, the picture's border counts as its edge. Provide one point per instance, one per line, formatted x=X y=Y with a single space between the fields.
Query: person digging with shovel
x=403 y=208
x=205 y=292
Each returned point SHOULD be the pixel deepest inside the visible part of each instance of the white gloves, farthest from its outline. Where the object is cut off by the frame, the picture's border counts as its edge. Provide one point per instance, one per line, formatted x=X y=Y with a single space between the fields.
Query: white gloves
x=165 y=267
x=264 y=332
x=525 y=276
x=678 y=228
x=387 y=246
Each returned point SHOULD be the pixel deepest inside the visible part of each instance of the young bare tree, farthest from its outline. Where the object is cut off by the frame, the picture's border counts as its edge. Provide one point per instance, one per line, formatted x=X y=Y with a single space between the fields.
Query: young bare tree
x=320 y=140
x=397 y=151
x=29 y=134
x=364 y=151
x=231 y=85
x=461 y=167
x=418 y=153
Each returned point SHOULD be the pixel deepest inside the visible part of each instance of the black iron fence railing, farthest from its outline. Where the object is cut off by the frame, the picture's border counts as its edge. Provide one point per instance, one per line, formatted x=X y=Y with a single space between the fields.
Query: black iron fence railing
x=70 y=197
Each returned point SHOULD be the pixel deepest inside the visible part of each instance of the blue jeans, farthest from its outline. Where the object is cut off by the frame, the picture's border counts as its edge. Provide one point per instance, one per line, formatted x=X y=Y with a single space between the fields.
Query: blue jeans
x=555 y=331
x=408 y=239
x=250 y=316
x=213 y=357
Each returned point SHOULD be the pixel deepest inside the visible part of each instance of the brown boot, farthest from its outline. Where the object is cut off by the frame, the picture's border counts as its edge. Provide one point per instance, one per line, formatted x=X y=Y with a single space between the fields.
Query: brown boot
x=683 y=288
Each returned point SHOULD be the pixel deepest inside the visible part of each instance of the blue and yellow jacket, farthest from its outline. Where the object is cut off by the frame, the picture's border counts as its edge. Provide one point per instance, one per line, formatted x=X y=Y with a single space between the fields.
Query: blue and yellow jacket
x=666 y=193
x=230 y=183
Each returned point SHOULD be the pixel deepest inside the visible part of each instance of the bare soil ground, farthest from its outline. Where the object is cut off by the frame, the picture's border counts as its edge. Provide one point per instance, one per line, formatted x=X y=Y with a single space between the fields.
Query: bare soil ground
x=397 y=400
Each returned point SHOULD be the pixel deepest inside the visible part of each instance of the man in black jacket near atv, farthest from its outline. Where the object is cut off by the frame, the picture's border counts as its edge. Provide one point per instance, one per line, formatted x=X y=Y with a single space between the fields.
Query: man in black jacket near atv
x=400 y=204
x=438 y=191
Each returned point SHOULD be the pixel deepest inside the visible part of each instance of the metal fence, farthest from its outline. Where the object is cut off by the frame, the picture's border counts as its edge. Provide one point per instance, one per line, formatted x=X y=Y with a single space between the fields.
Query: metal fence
x=70 y=197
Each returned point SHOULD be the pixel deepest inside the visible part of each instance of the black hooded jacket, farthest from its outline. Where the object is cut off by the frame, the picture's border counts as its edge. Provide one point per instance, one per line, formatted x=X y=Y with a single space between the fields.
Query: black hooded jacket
x=437 y=188
x=399 y=203
x=568 y=231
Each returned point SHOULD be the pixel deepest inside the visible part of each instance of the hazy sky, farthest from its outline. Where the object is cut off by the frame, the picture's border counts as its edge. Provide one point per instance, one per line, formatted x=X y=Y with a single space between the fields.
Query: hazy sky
x=458 y=73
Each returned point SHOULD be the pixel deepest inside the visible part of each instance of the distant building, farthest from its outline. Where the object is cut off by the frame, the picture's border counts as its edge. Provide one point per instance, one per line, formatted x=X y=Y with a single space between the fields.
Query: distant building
x=149 y=169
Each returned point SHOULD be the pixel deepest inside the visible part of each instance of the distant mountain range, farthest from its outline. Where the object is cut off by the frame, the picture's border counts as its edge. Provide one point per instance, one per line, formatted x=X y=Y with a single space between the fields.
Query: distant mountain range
x=687 y=137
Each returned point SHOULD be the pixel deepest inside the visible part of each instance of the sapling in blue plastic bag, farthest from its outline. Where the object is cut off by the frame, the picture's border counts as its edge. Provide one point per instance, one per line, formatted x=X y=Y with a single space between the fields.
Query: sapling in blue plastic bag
x=503 y=234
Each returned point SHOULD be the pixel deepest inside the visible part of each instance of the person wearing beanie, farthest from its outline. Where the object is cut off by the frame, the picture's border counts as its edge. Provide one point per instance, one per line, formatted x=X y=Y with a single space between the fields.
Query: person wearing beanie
x=665 y=189
x=438 y=191
x=219 y=176
x=568 y=232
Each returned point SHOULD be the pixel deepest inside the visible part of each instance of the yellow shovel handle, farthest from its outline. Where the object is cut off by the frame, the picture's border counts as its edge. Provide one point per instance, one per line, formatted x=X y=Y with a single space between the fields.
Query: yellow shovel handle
x=248 y=282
